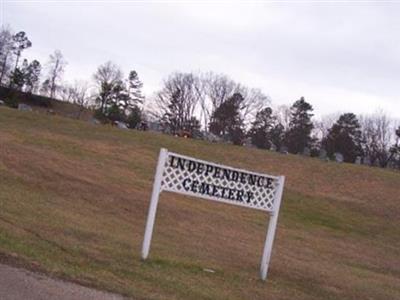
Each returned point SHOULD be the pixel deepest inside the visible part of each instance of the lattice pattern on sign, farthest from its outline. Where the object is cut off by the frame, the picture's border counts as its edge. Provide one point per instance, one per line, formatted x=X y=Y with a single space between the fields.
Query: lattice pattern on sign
x=200 y=184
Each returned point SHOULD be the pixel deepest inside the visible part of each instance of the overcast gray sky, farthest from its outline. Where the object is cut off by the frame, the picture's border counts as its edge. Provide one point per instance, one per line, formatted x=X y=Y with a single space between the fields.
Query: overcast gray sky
x=341 y=56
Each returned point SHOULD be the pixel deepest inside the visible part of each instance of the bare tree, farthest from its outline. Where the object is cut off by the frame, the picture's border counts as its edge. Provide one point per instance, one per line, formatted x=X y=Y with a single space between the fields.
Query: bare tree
x=6 y=47
x=215 y=89
x=66 y=92
x=254 y=101
x=78 y=94
x=108 y=73
x=218 y=88
x=81 y=96
x=178 y=99
x=201 y=94
x=377 y=135
x=282 y=114
x=322 y=126
x=107 y=76
x=55 y=66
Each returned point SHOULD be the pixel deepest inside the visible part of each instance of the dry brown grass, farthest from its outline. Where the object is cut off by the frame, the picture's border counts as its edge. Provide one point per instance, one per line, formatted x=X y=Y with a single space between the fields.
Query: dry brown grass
x=74 y=197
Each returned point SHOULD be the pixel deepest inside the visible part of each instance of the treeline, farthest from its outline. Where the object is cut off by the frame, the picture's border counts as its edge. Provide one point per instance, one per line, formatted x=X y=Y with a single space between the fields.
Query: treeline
x=203 y=105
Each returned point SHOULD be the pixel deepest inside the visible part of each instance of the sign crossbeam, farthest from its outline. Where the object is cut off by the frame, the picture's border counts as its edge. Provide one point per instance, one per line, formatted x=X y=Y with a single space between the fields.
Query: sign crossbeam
x=194 y=177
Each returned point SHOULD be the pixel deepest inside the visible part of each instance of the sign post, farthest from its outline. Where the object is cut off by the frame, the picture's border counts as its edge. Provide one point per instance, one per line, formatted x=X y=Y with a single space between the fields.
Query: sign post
x=273 y=220
x=153 y=203
x=189 y=176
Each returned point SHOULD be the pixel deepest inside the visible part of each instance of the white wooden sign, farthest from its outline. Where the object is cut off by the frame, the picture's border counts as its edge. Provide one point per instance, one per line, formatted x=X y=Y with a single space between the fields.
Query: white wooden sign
x=189 y=176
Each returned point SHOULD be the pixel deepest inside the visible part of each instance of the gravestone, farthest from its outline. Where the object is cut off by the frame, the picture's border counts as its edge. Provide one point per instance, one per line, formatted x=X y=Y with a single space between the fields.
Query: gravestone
x=306 y=151
x=95 y=121
x=322 y=154
x=121 y=125
x=248 y=143
x=154 y=126
x=284 y=150
x=338 y=157
x=210 y=137
x=358 y=160
x=366 y=161
x=24 y=107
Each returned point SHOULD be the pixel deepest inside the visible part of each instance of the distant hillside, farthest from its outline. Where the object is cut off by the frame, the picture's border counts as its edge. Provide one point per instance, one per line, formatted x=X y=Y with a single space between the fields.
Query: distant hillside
x=46 y=104
x=74 y=199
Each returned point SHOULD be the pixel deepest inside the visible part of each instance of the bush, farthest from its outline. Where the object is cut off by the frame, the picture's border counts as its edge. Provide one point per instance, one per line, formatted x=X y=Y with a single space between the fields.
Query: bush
x=113 y=114
x=134 y=118
x=11 y=100
x=99 y=115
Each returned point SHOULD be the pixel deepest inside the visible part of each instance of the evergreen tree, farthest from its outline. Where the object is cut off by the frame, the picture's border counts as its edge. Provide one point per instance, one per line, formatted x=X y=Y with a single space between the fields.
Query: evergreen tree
x=20 y=43
x=17 y=78
x=135 y=88
x=277 y=135
x=300 y=126
x=106 y=76
x=262 y=128
x=395 y=150
x=173 y=119
x=226 y=121
x=129 y=93
x=115 y=93
x=134 y=118
x=113 y=113
x=45 y=87
x=31 y=73
x=344 y=137
x=104 y=96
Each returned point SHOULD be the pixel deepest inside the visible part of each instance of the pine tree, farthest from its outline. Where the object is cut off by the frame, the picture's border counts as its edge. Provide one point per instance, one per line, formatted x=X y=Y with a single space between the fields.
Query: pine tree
x=277 y=135
x=17 y=78
x=173 y=119
x=395 y=150
x=134 y=118
x=300 y=126
x=226 y=121
x=344 y=137
x=262 y=129
x=135 y=88
x=31 y=75
x=20 y=43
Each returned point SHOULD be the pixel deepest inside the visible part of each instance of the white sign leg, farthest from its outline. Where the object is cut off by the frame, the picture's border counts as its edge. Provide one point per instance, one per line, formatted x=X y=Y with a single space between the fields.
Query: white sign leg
x=153 y=203
x=271 y=230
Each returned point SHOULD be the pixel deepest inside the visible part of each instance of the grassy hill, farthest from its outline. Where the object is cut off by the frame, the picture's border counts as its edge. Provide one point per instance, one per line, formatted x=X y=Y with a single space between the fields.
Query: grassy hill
x=74 y=199
x=44 y=104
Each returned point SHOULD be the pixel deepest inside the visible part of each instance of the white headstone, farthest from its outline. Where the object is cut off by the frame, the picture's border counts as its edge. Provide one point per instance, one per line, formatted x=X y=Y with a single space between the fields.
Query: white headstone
x=366 y=161
x=24 y=107
x=322 y=154
x=306 y=151
x=284 y=150
x=338 y=157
